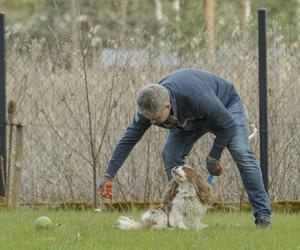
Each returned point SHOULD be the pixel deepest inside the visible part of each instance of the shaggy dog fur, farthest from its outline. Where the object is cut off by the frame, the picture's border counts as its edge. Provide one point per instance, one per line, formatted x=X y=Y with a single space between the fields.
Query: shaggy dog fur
x=184 y=203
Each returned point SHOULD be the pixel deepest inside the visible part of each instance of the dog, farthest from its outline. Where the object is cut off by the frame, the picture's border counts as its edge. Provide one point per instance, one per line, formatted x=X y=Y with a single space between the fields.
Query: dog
x=185 y=201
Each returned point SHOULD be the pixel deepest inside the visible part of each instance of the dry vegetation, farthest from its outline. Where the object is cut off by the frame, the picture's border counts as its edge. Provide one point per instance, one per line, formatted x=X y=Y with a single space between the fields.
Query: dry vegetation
x=75 y=107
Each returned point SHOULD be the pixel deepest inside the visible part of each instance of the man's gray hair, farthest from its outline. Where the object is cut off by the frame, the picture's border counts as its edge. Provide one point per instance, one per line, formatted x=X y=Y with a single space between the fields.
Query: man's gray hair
x=151 y=98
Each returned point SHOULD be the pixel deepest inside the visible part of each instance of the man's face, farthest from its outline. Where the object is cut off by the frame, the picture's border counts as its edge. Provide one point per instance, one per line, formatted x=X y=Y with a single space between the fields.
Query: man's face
x=161 y=117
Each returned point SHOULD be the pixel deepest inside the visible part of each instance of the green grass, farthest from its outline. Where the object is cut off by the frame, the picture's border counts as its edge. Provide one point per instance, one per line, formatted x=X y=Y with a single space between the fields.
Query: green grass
x=226 y=231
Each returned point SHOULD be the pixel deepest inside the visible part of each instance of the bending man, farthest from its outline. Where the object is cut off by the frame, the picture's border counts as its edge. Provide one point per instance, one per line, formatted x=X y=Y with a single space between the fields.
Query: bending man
x=190 y=103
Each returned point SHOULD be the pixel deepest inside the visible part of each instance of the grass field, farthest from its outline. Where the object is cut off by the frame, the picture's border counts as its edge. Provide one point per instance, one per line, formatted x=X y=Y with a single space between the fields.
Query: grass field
x=90 y=230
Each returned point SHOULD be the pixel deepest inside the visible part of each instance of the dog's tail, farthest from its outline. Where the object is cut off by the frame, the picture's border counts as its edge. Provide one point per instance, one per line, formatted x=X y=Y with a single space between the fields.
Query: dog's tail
x=127 y=223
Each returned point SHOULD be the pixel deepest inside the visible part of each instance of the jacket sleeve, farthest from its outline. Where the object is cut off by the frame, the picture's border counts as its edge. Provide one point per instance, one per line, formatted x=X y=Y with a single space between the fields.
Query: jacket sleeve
x=132 y=135
x=221 y=122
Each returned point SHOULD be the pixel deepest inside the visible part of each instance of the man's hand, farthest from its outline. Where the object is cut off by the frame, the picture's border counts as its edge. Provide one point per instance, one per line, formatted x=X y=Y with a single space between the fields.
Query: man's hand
x=105 y=188
x=214 y=166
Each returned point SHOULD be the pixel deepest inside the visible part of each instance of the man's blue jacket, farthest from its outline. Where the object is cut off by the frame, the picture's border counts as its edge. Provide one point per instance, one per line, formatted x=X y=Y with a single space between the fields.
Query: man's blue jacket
x=199 y=101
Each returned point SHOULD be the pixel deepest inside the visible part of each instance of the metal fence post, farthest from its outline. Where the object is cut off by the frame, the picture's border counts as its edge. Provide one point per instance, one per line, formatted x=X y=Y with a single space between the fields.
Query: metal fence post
x=2 y=107
x=263 y=107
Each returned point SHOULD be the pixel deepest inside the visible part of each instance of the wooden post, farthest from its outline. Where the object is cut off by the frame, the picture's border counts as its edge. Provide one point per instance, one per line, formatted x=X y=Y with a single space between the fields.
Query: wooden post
x=209 y=10
x=17 y=173
x=10 y=117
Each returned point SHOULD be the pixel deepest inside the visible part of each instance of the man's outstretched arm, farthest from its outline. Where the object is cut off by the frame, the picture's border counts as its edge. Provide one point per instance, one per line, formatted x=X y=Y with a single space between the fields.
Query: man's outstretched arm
x=133 y=134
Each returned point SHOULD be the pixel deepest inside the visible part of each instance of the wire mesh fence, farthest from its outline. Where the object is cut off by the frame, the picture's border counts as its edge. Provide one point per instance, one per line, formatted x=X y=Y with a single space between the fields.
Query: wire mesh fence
x=75 y=102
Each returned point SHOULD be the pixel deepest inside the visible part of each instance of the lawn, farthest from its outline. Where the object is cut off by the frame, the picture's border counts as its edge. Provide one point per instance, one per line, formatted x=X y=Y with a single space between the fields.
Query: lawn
x=90 y=230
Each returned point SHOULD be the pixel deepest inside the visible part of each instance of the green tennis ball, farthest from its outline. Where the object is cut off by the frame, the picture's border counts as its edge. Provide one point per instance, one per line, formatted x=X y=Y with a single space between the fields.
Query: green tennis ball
x=43 y=222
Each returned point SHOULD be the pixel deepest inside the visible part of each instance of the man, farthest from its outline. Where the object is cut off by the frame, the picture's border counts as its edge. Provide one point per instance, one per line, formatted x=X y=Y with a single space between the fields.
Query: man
x=190 y=103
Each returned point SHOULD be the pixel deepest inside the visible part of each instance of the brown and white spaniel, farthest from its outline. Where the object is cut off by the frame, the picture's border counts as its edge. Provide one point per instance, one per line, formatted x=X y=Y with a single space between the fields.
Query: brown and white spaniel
x=186 y=199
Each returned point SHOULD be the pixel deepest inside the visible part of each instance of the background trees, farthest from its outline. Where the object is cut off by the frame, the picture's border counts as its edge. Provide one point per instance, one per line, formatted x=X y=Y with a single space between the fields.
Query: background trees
x=42 y=18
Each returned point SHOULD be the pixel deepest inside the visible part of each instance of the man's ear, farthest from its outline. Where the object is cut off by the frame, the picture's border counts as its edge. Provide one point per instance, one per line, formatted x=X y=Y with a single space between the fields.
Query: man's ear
x=168 y=104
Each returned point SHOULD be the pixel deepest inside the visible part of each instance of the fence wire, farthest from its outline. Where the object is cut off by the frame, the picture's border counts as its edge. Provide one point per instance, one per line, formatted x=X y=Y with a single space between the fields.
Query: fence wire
x=76 y=103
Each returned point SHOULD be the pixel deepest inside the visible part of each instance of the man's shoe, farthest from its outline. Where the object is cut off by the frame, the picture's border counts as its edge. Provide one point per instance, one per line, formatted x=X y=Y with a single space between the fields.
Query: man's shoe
x=263 y=223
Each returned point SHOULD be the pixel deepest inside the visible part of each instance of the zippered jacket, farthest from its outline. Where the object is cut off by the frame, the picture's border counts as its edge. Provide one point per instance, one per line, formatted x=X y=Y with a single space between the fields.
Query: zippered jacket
x=199 y=101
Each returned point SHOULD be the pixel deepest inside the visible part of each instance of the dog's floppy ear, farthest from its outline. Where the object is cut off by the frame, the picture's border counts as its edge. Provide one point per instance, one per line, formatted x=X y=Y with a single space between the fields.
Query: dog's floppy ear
x=170 y=192
x=202 y=189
